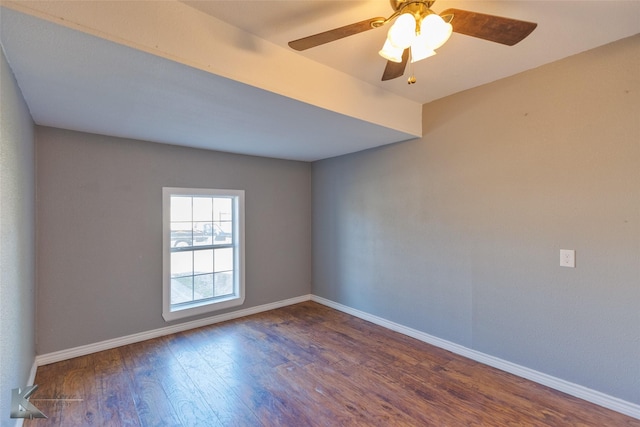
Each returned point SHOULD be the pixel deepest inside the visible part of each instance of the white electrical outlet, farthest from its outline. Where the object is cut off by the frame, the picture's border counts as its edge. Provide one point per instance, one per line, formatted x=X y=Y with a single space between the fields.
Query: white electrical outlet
x=567 y=258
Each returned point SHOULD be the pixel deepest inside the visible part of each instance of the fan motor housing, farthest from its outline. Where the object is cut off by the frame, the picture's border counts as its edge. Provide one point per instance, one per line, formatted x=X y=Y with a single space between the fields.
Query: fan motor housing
x=399 y=4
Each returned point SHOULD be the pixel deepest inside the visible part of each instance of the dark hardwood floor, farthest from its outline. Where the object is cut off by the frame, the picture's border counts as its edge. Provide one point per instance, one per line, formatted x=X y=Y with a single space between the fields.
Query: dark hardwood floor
x=302 y=365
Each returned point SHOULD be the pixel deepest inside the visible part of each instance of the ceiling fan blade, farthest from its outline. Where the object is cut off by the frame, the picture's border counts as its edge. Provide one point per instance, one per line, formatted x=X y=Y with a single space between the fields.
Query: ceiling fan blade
x=335 y=34
x=489 y=27
x=395 y=69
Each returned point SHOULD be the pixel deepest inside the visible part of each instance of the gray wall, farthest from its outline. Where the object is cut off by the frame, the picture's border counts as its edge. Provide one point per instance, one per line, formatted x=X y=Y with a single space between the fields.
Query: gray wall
x=458 y=234
x=17 y=241
x=99 y=230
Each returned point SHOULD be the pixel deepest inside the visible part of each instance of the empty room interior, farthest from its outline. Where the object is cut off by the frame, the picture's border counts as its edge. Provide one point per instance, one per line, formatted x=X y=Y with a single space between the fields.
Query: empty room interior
x=280 y=213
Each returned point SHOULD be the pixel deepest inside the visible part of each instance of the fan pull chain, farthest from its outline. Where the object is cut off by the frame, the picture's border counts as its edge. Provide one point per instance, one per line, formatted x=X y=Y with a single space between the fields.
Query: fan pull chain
x=411 y=80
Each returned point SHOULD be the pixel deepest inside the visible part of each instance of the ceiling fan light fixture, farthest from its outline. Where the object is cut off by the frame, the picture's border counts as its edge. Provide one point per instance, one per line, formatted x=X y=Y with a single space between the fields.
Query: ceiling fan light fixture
x=434 y=31
x=414 y=19
x=403 y=31
x=390 y=52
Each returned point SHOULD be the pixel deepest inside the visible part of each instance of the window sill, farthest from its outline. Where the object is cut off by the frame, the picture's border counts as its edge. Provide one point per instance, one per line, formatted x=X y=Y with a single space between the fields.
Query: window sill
x=196 y=309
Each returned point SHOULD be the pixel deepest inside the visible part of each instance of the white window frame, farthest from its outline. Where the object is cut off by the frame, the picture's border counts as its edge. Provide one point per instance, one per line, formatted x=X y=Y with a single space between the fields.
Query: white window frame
x=170 y=313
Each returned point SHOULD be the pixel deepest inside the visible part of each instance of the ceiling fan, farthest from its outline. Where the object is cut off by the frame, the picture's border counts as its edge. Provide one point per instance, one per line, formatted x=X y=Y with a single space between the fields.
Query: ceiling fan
x=418 y=32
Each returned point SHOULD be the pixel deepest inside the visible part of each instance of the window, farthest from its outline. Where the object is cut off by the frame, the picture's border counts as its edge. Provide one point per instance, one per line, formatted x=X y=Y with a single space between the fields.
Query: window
x=203 y=251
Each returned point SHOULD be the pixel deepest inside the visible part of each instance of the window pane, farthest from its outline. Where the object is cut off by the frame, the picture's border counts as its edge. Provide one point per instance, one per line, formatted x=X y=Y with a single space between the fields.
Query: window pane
x=181 y=263
x=181 y=290
x=223 y=259
x=222 y=209
x=203 y=261
x=223 y=217
x=223 y=283
x=181 y=208
x=181 y=234
x=202 y=208
x=199 y=238
x=222 y=233
x=203 y=286
x=206 y=228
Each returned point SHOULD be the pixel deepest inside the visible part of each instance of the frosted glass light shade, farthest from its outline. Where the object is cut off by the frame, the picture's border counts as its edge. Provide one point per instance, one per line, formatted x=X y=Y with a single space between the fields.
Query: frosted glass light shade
x=435 y=31
x=420 y=49
x=390 y=52
x=403 y=31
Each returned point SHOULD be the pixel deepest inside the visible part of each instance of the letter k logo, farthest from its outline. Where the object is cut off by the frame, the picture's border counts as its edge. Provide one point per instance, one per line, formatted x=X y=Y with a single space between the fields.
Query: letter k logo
x=21 y=407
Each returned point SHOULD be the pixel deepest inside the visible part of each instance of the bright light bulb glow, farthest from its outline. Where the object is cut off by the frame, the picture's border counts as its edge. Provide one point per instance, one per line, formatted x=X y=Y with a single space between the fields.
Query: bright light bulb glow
x=403 y=31
x=435 y=31
x=420 y=49
x=391 y=53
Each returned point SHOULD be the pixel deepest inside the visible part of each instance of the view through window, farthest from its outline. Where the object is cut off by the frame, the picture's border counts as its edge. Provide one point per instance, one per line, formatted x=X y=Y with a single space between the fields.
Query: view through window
x=203 y=250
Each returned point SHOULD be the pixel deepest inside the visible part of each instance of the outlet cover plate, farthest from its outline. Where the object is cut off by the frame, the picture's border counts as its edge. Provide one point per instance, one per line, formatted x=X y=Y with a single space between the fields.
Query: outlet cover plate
x=567 y=258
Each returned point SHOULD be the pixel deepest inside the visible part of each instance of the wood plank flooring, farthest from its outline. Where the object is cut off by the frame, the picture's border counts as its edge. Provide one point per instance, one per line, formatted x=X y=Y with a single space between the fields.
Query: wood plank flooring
x=302 y=365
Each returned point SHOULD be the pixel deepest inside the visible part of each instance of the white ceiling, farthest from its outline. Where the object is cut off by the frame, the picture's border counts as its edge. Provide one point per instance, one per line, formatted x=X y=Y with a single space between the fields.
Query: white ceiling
x=219 y=74
x=564 y=28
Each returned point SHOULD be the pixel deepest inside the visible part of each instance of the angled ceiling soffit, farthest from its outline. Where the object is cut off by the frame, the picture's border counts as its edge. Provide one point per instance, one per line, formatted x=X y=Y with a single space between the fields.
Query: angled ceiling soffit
x=180 y=33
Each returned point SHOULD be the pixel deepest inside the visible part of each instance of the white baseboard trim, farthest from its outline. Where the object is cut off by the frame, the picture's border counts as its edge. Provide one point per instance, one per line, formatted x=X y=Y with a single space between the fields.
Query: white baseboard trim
x=32 y=373
x=593 y=396
x=58 y=356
